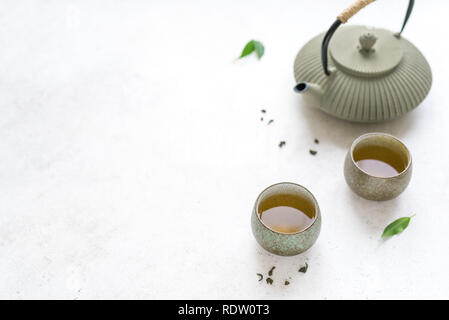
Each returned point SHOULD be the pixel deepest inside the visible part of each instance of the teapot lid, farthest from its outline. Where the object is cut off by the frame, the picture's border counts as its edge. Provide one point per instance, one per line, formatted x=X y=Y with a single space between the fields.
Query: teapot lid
x=363 y=51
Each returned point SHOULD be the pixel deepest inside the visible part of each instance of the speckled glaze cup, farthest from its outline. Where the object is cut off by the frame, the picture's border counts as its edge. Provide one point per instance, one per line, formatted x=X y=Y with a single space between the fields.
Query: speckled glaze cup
x=285 y=244
x=372 y=187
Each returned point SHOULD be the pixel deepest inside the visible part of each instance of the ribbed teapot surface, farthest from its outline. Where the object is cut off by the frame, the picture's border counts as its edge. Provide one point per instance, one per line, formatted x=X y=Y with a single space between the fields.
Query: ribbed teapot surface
x=375 y=75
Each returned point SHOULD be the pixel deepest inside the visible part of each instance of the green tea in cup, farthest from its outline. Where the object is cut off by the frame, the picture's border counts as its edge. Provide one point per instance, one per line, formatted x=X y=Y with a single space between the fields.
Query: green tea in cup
x=379 y=161
x=378 y=166
x=286 y=219
x=287 y=213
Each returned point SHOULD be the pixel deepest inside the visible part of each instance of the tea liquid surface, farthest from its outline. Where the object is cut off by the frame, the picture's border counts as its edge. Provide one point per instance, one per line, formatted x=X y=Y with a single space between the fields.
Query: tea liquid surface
x=379 y=161
x=287 y=213
x=377 y=168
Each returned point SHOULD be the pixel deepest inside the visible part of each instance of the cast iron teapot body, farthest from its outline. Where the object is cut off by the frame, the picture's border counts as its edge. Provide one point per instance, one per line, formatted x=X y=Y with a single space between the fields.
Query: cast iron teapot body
x=370 y=74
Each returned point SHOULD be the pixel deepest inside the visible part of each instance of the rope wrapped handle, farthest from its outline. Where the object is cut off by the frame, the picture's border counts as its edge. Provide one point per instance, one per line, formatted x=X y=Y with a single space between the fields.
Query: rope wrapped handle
x=344 y=17
x=353 y=9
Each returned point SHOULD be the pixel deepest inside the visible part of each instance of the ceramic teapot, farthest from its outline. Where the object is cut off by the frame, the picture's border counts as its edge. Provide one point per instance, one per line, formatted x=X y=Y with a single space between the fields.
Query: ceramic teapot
x=363 y=74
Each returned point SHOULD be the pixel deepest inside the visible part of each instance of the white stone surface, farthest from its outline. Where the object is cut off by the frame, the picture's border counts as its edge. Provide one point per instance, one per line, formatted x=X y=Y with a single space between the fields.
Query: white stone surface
x=131 y=152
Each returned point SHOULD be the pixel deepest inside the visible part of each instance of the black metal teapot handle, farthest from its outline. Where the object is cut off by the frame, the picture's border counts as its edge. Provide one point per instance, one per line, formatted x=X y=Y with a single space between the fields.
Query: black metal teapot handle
x=344 y=17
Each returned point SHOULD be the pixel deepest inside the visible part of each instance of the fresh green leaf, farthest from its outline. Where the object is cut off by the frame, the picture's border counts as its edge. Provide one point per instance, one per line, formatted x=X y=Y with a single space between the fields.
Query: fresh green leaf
x=252 y=46
x=247 y=49
x=396 y=226
x=260 y=49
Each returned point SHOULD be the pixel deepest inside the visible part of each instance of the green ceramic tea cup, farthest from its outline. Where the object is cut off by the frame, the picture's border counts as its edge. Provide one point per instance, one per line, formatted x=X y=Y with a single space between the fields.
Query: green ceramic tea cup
x=285 y=244
x=379 y=147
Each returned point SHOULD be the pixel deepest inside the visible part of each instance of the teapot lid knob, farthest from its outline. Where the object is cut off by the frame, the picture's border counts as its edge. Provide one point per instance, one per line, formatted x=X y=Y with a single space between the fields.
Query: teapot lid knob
x=367 y=41
x=366 y=51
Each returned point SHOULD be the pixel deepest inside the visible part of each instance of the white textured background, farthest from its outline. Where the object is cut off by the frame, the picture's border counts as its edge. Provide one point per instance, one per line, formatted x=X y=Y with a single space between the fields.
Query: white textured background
x=131 y=152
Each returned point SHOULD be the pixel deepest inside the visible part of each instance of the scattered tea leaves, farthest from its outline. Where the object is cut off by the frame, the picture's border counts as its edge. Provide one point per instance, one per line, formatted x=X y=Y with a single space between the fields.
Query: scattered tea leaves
x=312 y=152
x=260 y=276
x=270 y=273
x=269 y=281
x=286 y=282
x=396 y=226
x=252 y=46
x=271 y=121
x=316 y=141
x=303 y=269
x=281 y=144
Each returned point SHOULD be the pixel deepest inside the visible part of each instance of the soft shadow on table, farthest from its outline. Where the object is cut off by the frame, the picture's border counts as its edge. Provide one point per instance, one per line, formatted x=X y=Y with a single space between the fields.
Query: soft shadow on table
x=342 y=133
x=373 y=216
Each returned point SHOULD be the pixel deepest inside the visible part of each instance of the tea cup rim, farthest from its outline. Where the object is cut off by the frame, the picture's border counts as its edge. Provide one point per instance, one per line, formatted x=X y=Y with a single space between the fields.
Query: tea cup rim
x=365 y=135
x=315 y=203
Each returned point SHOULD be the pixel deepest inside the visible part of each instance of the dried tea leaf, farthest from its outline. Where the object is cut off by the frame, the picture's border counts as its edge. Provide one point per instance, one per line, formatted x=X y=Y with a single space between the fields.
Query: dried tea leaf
x=263 y=111
x=260 y=276
x=281 y=144
x=304 y=268
x=269 y=281
x=286 y=282
x=316 y=141
x=312 y=152
x=270 y=273
x=271 y=121
x=396 y=226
